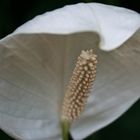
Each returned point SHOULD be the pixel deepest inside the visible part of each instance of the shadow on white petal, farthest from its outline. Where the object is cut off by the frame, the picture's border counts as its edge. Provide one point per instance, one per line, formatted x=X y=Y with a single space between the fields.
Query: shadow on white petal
x=116 y=88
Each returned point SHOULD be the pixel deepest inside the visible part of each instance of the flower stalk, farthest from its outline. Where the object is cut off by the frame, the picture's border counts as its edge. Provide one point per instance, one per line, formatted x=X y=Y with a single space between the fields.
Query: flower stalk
x=65 y=129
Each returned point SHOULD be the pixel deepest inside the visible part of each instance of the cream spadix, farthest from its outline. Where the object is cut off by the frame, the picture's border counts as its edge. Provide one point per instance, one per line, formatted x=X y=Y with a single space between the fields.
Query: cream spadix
x=79 y=86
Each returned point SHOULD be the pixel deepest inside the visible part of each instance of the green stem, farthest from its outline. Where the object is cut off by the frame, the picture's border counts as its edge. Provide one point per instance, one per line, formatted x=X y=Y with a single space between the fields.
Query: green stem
x=65 y=130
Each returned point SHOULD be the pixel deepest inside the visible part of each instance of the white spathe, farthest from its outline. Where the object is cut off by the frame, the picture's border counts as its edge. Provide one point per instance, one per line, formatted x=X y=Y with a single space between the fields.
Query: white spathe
x=37 y=60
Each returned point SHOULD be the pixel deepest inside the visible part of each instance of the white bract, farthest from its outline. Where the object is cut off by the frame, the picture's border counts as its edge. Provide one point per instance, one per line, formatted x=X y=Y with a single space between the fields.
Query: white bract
x=37 y=60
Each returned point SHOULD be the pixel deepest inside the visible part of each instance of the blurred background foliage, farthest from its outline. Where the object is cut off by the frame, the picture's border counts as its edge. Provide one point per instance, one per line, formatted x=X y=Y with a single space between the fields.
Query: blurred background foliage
x=14 y=13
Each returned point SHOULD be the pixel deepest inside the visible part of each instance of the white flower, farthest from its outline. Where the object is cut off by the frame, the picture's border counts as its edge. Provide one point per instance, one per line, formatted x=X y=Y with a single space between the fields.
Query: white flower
x=36 y=62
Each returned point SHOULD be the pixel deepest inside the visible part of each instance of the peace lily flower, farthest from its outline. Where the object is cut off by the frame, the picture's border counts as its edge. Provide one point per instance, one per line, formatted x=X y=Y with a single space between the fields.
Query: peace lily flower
x=37 y=61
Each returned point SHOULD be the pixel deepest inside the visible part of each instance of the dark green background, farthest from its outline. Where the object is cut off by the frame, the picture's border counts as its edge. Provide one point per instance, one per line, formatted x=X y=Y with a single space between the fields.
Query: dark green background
x=14 y=13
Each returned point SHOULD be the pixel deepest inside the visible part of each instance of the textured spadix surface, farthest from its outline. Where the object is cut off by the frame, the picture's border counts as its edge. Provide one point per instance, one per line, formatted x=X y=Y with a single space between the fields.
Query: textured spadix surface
x=37 y=60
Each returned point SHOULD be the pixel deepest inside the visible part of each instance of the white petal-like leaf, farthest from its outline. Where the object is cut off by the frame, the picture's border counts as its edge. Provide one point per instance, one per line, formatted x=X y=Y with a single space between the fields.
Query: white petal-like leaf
x=37 y=60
